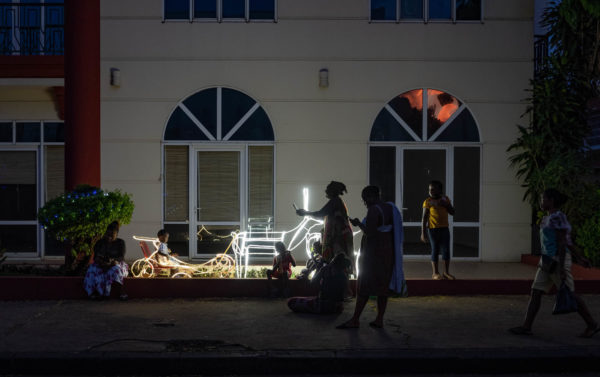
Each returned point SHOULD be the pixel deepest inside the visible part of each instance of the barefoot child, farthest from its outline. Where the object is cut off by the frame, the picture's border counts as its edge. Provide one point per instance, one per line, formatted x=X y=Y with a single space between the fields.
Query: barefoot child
x=435 y=223
x=282 y=268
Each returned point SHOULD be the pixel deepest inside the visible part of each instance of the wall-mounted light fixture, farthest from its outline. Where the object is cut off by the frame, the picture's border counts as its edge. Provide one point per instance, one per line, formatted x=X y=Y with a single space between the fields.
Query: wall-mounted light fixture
x=324 y=78
x=115 y=77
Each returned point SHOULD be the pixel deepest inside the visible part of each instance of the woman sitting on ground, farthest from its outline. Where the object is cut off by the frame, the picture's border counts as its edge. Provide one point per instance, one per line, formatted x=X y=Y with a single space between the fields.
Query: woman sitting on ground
x=109 y=265
x=333 y=280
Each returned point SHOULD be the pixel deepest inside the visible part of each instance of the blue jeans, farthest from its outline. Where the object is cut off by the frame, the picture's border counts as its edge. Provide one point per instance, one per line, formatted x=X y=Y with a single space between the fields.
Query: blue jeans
x=440 y=243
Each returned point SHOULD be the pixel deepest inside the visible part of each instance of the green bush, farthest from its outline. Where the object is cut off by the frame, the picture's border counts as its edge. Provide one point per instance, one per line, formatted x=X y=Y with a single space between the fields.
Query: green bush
x=257 y=273
x=79 y=218
x=588 y=238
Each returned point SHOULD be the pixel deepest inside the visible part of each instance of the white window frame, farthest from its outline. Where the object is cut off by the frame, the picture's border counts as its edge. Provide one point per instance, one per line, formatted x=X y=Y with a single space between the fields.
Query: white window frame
x=201 y=146
x=423 y=136
x=27 y=147
x=426 y=18
x=193 y=190
x=219 y=14
x=215 y=142
x=424 y=143
x=40 y=149
x=400 y=147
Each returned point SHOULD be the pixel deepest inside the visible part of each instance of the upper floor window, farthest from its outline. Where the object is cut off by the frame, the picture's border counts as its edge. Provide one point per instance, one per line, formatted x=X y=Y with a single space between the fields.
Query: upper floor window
x=220 y=10
x=32 y=27
x=426 y=10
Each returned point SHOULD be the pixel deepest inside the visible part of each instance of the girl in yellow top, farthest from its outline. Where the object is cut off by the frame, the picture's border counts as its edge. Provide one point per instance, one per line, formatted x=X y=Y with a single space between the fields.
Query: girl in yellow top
x=435 y=219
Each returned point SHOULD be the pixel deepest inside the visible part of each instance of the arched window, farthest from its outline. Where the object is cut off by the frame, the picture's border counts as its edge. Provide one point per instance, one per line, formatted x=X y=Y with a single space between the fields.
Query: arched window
x=218 y=170
x=410 y=147
x=447 y=119
x=219 y=114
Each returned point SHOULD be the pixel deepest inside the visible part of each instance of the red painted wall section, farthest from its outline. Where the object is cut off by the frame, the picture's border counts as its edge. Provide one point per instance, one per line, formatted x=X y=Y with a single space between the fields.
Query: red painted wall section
x=82 y=93
x=32 y=66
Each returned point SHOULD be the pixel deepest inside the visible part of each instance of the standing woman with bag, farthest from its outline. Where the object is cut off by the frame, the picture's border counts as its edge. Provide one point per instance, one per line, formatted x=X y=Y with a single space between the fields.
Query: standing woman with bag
x=554 y=267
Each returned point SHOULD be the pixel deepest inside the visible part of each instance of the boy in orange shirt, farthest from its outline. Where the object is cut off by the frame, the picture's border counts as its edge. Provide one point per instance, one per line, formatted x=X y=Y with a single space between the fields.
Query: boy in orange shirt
x=435 y=220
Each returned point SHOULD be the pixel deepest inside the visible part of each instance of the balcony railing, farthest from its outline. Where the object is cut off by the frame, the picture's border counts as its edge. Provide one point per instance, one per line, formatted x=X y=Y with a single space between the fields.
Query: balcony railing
x=32 y=28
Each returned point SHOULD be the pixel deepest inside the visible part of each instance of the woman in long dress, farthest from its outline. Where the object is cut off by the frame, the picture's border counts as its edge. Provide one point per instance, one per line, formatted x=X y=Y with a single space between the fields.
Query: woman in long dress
x=380 y=262
x=108 y=267
x=337 y=233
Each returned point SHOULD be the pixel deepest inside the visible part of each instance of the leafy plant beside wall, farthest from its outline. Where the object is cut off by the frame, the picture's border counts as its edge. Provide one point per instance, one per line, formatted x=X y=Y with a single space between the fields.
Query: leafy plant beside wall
x=588 y=238
x=79 y=219
x=551 y=151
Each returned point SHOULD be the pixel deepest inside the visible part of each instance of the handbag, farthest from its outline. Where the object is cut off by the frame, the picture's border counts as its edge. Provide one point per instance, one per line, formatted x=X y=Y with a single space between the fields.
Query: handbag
x=548 y=264
x=565 y=301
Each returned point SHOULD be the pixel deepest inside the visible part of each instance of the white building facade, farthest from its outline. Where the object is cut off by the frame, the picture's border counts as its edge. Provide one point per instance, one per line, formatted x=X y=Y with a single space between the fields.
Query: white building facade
x=221 y=112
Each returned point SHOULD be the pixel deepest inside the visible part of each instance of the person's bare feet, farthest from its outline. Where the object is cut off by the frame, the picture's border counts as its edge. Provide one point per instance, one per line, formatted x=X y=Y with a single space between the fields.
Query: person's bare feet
x=520 y=330
x=376 y=324
x=449 y=276
x=590 y=331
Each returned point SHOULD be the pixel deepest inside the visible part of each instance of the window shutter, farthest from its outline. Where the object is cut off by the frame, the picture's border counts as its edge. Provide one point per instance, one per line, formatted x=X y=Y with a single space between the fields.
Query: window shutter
x=219 y=186
x=17 y=168
x=55 y=171
x=260 y=181
x=176 y=183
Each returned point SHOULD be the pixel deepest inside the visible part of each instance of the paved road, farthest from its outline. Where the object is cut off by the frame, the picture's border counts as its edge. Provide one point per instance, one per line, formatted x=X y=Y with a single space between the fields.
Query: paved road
x=420 y=334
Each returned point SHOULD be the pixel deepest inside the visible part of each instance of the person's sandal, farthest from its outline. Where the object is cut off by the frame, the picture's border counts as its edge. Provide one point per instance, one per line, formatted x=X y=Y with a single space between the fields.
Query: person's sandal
x=436 y=277
x=519 y=330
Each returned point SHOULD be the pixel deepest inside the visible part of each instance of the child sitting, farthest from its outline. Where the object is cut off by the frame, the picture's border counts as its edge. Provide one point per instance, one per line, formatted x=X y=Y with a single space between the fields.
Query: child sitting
x=314 y=263
x=282 y=268
x=164 y=256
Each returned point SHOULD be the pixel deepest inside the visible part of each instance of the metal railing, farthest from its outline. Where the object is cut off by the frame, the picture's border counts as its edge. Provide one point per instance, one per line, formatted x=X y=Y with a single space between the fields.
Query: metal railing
x=32 y=28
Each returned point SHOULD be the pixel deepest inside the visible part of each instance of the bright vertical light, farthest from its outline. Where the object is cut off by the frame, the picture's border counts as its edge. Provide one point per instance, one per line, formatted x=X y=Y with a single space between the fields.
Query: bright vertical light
x=305 y=197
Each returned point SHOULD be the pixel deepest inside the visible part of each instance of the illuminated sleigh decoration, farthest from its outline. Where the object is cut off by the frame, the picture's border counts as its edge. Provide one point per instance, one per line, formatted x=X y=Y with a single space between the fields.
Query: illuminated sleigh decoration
x=262 y=243
x=220 y=266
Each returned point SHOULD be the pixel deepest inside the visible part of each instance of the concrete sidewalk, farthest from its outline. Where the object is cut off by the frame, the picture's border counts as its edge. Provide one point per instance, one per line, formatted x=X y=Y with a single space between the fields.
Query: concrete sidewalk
x=258 y=336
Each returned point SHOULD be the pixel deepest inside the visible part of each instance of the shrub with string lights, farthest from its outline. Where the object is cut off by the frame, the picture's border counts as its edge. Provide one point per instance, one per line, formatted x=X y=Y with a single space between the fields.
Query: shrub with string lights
x=79 y=219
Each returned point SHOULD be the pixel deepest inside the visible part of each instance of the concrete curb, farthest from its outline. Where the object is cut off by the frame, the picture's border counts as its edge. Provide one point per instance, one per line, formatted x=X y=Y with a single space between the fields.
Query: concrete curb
x=69 y=288
x=278 y=362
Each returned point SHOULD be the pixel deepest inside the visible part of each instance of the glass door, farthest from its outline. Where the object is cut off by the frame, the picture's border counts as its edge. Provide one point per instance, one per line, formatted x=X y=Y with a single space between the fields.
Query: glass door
x=466 y=198
x=418 y=168
x=219 y=198
x=19 y=202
